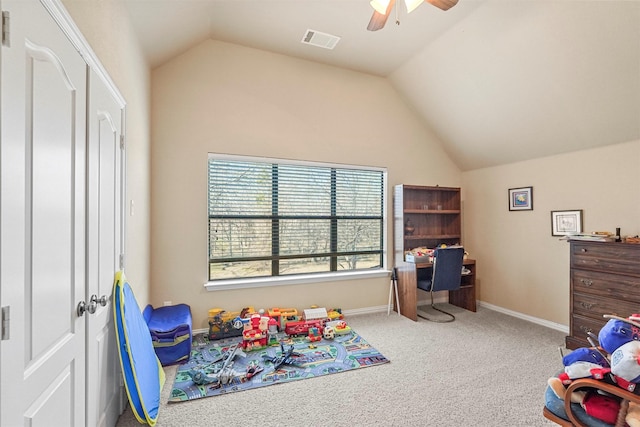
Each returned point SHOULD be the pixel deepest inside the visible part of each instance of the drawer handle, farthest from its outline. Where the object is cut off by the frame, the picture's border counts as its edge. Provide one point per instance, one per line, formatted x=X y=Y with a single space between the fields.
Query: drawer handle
x=586 y=282
x=583 y=250
x=585 y=329
x=586 y=305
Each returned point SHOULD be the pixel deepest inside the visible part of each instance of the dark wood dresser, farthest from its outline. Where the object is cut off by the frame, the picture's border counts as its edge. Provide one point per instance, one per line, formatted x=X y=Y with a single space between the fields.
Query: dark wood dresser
x=605 y=279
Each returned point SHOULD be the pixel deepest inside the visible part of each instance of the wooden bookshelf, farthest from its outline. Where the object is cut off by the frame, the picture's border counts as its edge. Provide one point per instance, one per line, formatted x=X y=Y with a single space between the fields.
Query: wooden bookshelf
x=427 y=217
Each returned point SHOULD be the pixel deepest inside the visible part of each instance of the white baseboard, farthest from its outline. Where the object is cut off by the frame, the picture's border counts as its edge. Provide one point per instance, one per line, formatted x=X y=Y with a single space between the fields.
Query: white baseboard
x=366 y=310
x=444 y=299
x=542 y=322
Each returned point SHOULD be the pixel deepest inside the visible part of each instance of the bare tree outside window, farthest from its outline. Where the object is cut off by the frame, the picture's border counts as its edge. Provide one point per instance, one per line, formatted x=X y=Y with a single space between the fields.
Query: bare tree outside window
x=273 y=218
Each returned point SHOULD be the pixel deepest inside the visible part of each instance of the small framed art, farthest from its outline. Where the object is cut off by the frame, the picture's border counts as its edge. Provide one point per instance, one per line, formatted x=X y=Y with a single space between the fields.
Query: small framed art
x=566 y=223
x=521 y=199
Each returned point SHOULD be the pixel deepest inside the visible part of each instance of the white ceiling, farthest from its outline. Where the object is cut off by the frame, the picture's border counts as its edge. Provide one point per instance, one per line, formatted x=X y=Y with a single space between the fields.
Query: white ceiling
x=498 y=81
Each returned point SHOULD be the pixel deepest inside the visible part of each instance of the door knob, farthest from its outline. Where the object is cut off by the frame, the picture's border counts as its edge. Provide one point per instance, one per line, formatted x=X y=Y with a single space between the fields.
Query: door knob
x=93 y=304
x=94 y=301
x=91 y=308
x=82 y=307
x=103 y=300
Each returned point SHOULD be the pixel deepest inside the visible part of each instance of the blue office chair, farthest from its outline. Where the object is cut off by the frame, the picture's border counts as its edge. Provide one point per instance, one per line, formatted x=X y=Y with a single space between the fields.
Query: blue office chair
x=446 y=276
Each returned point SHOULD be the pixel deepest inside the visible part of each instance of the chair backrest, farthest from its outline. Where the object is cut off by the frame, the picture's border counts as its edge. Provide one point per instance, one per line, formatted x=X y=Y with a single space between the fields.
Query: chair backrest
x=447 y=268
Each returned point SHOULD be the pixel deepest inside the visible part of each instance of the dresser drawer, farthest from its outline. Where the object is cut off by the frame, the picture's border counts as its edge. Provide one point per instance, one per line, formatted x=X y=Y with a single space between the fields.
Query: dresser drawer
x=594 y=307
x=606 y=284
x=580 y=326
x=618 y=258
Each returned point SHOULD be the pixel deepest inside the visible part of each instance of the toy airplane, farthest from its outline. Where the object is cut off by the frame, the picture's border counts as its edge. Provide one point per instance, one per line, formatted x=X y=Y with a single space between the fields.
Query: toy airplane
x=253 y=370
x=222 y=376
x=285 y=358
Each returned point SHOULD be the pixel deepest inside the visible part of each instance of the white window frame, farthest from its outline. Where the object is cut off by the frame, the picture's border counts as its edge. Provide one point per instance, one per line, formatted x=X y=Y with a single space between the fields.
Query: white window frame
x=244 y=283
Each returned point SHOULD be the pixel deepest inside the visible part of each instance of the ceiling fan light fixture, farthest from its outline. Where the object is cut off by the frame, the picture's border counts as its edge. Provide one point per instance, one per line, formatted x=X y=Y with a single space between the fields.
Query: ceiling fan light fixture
x=412 y=4
x=380 y=6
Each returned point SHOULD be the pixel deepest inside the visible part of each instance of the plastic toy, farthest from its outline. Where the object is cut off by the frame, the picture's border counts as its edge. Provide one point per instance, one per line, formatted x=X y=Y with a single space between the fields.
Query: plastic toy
x=285 y=358
x=272 y=332
x=317 y=313
x=254 y=334
x=329 y=333
x=283 y=316
x=221 y=322
x=335 y=314
x=314 y=334
x=340 y=327
x=224 y=375
x=302 y=327
x=253 y=369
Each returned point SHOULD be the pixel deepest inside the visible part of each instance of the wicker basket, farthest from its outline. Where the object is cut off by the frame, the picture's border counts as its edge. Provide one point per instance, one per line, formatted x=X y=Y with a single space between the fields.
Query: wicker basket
x=632 y=240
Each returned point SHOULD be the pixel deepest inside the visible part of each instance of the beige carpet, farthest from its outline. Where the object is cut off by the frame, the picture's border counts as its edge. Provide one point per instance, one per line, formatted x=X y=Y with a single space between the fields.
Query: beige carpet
x=484 y=369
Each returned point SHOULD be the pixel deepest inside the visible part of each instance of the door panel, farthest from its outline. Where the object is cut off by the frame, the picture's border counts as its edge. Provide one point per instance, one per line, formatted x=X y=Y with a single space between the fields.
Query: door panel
x=104 y=200
x=53 y=405
x=51 y=108
x=42 y=226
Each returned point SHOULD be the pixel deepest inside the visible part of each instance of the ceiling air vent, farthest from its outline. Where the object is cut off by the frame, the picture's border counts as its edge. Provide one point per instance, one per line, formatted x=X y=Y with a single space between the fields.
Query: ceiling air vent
x=316 y=38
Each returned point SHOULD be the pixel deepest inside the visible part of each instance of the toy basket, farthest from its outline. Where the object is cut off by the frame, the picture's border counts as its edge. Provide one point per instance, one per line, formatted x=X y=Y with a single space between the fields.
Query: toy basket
x=170 y=329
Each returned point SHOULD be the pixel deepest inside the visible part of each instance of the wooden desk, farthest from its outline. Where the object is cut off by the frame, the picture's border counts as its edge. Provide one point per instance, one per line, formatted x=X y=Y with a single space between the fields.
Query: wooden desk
x=464 y=297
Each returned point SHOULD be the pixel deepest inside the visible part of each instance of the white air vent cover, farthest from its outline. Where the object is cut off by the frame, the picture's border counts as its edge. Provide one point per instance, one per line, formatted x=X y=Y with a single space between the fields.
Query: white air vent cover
x=319 y=39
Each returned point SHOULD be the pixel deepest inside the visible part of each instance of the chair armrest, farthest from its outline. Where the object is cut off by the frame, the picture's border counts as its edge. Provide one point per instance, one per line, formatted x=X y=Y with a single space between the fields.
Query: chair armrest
x=625 y=395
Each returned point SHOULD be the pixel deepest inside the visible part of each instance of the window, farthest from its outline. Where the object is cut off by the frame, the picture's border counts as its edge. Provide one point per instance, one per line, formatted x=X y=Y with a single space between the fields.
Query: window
x=281 y=218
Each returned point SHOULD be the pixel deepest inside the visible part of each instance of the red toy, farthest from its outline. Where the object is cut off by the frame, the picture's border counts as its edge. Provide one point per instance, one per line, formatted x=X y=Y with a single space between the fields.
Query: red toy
x=255 y=332
x=314 y=334
x=302 y=327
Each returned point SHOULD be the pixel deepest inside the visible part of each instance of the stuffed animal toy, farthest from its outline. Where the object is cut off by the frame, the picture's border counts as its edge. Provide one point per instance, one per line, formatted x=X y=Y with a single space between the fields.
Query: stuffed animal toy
x=600 y=406
x=620 y=339
x=581 y=363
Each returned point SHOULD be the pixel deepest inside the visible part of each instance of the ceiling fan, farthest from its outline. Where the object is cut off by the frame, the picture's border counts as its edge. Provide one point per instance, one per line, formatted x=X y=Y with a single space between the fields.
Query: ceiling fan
x=382 y=8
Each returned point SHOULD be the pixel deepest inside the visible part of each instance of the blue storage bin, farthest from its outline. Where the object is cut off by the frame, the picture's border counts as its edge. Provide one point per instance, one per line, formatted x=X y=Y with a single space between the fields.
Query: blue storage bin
x=170 y=329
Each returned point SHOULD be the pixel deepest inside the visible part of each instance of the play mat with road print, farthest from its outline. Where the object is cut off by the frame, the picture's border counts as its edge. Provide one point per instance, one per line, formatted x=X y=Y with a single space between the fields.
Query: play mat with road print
x=221 y=367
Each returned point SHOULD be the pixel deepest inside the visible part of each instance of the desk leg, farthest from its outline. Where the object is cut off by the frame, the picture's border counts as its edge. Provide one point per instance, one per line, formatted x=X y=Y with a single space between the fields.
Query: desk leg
x=408 y=290
x=390 y=303
x=393 y=287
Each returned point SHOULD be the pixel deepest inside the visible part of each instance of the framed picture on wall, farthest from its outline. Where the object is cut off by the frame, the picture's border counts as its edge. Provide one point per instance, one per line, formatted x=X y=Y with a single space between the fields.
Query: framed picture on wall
x=521 y=199
x=566 y=223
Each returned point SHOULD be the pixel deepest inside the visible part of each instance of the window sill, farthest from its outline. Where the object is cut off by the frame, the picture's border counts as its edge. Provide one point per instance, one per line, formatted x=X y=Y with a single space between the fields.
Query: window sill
x=223 y=285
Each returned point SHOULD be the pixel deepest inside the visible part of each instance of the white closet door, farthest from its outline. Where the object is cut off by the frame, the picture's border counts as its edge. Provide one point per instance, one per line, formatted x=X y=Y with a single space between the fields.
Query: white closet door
x=42 y=222
x=104 y=220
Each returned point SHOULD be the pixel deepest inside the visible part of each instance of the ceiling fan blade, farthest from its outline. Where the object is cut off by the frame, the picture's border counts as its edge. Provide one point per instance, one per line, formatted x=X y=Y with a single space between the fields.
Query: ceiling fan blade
x=443 y=4
x=378 y=19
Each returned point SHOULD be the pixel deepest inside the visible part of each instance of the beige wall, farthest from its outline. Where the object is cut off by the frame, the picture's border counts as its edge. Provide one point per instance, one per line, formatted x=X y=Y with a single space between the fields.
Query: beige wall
x=105 y=24
x=521 y=267
x=223 y=98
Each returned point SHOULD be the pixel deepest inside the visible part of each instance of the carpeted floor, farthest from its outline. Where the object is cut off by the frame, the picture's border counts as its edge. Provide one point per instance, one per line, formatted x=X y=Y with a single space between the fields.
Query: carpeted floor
x=485 y=369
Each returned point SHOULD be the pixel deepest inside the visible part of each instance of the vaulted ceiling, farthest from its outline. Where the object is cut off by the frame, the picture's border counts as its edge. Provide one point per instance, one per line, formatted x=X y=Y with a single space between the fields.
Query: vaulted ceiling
x=499 y=81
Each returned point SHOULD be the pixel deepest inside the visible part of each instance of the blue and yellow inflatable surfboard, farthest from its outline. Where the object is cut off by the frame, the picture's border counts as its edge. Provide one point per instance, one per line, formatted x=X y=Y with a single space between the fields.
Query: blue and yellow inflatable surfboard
x=141 y=369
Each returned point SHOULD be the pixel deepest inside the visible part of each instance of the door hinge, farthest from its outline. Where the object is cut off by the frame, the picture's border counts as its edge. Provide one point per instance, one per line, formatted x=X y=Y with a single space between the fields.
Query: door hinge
x=121 y=261
x=6 y=41
x=6 y=323
x=122 y=141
